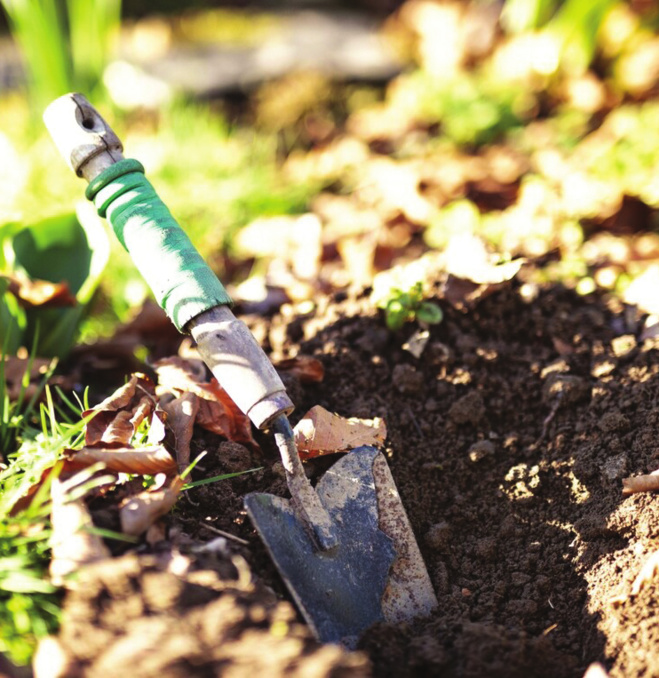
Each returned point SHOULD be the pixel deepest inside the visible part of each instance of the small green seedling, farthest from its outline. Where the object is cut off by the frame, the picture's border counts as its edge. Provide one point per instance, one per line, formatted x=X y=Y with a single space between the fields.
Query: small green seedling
x=402 y=294
x=401 y=307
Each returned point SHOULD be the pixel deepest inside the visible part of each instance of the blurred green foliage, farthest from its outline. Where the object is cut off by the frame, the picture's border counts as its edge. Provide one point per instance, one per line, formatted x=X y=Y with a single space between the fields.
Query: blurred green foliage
x=65 y=45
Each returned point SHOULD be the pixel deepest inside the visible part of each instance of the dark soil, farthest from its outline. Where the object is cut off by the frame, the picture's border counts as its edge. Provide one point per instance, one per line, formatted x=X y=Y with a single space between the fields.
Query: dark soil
x=508 y=440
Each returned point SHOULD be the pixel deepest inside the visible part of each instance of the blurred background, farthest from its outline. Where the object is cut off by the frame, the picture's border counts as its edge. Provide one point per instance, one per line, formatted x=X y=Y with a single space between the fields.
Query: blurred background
x=315 y=146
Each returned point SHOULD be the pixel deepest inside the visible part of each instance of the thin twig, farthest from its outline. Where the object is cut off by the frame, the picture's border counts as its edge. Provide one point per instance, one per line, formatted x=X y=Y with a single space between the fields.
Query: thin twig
x=228 y=535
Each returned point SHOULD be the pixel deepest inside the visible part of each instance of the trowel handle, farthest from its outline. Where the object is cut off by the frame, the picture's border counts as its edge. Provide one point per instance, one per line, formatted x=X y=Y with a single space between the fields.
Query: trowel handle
x=181 y=281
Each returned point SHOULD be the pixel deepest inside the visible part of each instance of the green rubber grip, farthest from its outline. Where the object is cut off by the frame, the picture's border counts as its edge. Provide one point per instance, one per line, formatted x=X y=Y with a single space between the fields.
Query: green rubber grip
x=180 y=279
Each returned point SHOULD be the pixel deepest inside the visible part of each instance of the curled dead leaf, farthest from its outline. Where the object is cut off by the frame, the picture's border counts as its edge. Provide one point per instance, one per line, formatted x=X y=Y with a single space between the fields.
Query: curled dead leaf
x=145 y=461
x=117 y=418
x=307 y=369
x=223 y=417
x=138 y=513
x=320 y=432
x=73 y=543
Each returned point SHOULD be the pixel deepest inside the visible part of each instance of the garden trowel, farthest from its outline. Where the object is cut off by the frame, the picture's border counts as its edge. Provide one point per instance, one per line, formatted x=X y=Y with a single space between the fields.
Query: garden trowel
x=345 y=548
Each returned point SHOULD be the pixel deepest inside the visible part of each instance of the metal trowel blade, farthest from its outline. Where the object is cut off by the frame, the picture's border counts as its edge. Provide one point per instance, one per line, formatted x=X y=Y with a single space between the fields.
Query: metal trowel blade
x=339 y=591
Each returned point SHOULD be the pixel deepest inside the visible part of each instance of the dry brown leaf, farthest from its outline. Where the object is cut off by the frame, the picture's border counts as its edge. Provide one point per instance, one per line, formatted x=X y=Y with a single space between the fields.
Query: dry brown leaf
x=223 y=417
x=138 y=513
x=63 y=469
x=145 y=461
x=73 y=543
x=307 y=369
x=217 y=412
x=320 y=432
x=181 y=415
x=118 y=416
x=41 y=292
x=644 y=483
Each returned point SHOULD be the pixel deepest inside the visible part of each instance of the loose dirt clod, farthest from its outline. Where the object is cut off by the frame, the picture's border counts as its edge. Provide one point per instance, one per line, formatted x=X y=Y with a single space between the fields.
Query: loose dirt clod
x=133 y=616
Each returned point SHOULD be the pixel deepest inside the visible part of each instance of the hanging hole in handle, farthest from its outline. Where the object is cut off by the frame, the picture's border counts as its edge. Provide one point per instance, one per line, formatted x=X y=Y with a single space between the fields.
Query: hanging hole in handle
x=87 y=119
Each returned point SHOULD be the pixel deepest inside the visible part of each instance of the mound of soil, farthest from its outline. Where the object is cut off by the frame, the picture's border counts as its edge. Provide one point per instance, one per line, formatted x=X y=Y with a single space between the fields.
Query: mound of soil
x=150 y=617
x=508 y=439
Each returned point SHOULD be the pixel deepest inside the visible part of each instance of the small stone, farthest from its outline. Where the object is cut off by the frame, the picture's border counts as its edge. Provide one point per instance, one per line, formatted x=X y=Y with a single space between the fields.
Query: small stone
x=407 y=379
x=480 y=450
x=570 y=389
x=613 y=421
x=623 y=345
x=469 y=409
x=486 y=548
x=615 y=468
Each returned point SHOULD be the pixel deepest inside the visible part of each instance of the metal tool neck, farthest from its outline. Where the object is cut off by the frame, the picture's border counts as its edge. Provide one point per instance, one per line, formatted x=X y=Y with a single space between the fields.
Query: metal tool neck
x=306 y=500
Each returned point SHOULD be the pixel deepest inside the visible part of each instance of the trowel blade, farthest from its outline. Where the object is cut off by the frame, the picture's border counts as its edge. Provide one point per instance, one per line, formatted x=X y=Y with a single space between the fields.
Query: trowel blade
x=339 y=592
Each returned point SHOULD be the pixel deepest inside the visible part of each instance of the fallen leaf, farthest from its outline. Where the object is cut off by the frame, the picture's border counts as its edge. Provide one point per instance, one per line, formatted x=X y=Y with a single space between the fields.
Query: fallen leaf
x=307 y=369
x=145 y=461
x=223 y=417
x=63 y=468
x=216 y=411
x=41 y=292
x=320 y=432
x=72 y=542
x=181 y=416
x=138 y=513
x=118 y=417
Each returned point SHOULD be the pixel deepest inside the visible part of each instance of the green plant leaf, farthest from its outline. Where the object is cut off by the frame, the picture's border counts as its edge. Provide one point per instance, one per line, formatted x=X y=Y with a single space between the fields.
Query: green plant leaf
x=395 y=314
x=428 y=312
x=57 y=249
